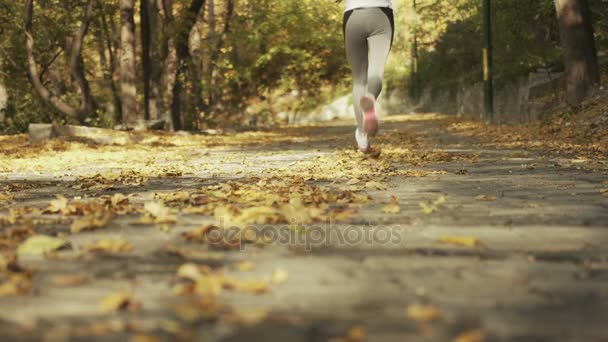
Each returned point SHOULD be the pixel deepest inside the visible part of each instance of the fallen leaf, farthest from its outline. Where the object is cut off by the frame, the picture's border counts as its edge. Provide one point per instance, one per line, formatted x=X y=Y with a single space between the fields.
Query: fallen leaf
x=422 y=313
x=431 y=207
x=119 y=301
x=393 y=207
x=253 y=286
x=91 y=222
x=247 y=316
x=119 y=199
x=16 y=285
x=353 y=181
x=194 y=311
x=109 y=246
x=279 y=276
x=140 y=337
x=58 y=205
x=375 y=185
x=467 y=241
x=487 y=198
x=40 y=244
x=244 y=266
x=475 y=335
x=189 y=271
x=209 y=285
x=157 y=212
x=69 y=280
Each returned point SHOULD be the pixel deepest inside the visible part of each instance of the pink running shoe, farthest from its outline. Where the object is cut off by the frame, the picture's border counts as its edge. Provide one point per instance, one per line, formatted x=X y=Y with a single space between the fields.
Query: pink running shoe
x=370 y=119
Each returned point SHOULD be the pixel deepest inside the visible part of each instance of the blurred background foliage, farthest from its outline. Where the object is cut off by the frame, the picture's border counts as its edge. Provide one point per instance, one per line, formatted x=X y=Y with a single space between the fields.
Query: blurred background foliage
x=274 y=56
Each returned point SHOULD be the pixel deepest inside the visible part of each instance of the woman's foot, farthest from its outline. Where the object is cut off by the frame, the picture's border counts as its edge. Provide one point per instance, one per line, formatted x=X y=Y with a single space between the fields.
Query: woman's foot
x=370 y=118
x=362 y=141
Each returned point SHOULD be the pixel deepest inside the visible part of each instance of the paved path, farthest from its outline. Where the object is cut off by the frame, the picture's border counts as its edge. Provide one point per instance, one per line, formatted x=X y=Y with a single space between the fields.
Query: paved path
x=538 y=272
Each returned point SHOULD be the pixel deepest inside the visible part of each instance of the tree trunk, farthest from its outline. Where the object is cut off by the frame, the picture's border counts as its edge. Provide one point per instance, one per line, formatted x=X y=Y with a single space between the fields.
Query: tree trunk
x=3 y=92
x=177 y=51
x=215 y=54
x=109 y=32
x=145 y=53
x=127 y=65
x=580 y=54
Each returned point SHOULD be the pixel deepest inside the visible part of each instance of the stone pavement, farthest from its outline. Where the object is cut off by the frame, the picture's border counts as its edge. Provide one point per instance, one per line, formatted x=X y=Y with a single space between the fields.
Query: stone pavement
x=538 y=270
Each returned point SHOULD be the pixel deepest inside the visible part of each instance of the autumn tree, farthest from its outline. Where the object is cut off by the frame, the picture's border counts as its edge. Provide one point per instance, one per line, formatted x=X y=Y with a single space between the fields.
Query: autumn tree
x=578 y=42
x=76 y=66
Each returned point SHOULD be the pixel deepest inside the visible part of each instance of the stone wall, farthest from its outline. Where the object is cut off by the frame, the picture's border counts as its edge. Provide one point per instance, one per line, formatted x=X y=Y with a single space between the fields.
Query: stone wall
x=520 y=101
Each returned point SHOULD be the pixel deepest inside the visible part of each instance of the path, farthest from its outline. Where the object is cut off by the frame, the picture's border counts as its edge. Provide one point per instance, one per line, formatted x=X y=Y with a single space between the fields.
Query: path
x=536 y=222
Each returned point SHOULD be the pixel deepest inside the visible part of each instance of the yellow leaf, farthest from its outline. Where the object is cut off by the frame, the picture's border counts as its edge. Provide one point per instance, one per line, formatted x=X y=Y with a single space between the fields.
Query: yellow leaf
x=159 y=212
x=357 y=333
x=427 y=209
x=118 y=199
x=487 y=198
x=441 y=200
x=205 y=309
x=244 y=266
x=58 y=205
x=375 y=185
x=209 y=285
x=69 y=280
x=422 y=313
x=248 y=316
x=91 y=222
x=467 y=241
x=118 y=301
x=475 y=335
x=393 y=207
x=252 y=286
x=41 y=244
x=189 y=271
x=144 y=338
x=109 y=246
x=258 y=215
x=279 y=276
x=353 y=181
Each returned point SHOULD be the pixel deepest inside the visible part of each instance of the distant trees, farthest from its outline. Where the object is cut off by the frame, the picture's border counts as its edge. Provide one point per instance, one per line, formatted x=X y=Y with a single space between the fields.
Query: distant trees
x=580 y=53
x=73 y=47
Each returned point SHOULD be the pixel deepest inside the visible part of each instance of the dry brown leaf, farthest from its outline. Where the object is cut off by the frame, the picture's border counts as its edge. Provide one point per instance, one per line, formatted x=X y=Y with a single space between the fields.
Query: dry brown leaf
x=16 y=285
x=91 y=222
x=353 y=181
x=422 y=313
x=244 y=266
x=486 y=198
x=141 y=337
x=109 y=246
x=119 y=301
x=247 y=316
x=253 y=286
x=475 y=335
x=194 y=311
x=375 y=185
x=68 y=280
x=393 y=207
x=157 y=212
x=466 y=241
x=58 y=205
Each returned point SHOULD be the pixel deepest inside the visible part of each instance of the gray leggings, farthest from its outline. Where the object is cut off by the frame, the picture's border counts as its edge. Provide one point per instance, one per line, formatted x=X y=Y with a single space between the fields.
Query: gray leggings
x=368 y=36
